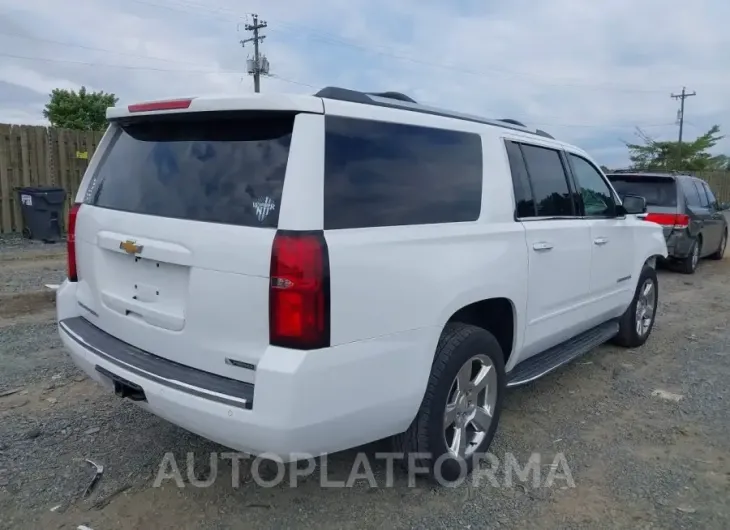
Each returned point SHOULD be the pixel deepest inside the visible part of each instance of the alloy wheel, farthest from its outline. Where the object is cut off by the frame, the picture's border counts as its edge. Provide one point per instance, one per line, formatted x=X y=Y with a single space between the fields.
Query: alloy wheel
x=470 y=406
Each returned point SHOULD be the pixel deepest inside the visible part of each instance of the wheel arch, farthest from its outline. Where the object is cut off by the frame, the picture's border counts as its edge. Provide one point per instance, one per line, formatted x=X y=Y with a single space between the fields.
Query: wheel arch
x=649 y=249
x=497 y=315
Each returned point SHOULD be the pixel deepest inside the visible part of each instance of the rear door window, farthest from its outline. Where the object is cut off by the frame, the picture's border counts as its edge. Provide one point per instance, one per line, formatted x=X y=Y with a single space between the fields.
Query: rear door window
x=226 y=169
x=525 y=205
x=710 y=195
x=704 y=200
x=690 y=193
x=658 y=191
x=390 y=174
x=553 y=197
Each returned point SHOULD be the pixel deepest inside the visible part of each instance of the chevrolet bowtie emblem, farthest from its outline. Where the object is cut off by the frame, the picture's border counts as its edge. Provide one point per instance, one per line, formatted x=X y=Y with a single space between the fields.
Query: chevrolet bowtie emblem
x=130 y=247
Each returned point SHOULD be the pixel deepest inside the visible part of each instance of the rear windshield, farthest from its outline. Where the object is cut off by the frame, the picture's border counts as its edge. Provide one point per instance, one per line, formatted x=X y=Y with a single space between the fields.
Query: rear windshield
x=658 y=191
x=226 y=169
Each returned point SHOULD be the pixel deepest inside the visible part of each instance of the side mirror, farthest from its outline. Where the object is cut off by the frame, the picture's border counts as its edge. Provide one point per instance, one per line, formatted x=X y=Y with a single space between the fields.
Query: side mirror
x=723 y=205
x=633 y=204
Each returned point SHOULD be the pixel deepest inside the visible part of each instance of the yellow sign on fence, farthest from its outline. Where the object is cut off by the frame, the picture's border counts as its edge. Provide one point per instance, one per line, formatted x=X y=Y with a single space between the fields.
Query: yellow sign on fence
x=82 y=154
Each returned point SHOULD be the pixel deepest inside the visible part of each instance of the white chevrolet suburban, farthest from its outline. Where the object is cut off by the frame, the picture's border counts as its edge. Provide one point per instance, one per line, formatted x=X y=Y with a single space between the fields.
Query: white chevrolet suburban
x=298 y=275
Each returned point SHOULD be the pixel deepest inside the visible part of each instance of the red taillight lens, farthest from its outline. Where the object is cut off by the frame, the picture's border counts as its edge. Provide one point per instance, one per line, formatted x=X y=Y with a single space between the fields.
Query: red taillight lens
x=71 y=242
x=669 y=219
x=170 y=104
x=299 y=304
x=681 y=221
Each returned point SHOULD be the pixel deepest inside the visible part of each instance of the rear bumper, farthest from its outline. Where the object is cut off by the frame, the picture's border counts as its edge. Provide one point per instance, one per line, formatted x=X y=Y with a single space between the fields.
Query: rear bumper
x=679 y=243
x=302 y=403
x=123 y=356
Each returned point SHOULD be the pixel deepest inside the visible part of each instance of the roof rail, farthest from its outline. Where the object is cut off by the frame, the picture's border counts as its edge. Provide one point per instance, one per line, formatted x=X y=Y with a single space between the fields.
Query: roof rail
x=401 y=101
x=345 y=94
x=513 y=122
x=393 y=95
x=648 y=171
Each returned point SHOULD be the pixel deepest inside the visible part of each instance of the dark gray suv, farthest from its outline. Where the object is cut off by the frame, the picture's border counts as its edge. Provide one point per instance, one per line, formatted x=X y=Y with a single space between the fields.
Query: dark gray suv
x=694 y=223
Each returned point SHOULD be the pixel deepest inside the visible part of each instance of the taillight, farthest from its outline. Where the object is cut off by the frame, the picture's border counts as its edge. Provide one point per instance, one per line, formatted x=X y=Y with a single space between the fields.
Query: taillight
x=681 y=221
x=71 y=242
x=299 y=297
x=170 y=104
x=669 y=219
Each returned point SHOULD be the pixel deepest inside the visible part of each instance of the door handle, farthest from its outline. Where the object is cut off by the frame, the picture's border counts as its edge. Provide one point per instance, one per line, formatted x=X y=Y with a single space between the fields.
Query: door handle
x=542 y=246
x=600 y=240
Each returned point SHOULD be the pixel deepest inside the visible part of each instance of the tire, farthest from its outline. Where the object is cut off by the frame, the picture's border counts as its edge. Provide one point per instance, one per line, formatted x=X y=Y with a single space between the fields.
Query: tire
x=460 y=345
x=628 y=335
x=720 y=252
x=689 y=264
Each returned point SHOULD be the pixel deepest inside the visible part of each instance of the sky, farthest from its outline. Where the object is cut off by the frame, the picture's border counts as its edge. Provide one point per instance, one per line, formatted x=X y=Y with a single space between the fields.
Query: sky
x=589 y=73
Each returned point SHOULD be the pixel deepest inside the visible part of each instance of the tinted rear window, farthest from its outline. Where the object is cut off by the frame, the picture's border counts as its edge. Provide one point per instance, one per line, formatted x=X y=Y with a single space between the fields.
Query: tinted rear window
x=553 y=198
x=525 y=204
x=691 y=192
x=201 y=167
x=658 y=191
x=389 y=174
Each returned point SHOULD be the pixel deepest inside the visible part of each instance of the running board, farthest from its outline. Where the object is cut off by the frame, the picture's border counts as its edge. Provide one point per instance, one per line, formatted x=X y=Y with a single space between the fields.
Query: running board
x=555 y=357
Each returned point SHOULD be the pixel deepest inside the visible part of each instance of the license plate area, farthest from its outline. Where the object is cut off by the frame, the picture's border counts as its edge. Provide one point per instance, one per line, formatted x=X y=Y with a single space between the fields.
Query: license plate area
x=123 y=387
x=152 y=291
x=154 y=282
x=142 y=278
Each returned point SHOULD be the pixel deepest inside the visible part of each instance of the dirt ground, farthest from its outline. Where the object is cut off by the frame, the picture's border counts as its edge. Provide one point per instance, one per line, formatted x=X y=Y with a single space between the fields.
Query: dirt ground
x=645 y=435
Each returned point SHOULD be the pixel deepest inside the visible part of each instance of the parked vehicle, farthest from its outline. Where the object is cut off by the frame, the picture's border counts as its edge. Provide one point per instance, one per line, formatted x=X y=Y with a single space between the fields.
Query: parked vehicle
x=298 y=275
x=694 y=223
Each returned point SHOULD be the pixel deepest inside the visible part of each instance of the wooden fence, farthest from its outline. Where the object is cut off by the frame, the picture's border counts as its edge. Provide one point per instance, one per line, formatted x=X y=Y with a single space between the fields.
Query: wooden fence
x=40 y=156
x=719 y=181
x=44 y=156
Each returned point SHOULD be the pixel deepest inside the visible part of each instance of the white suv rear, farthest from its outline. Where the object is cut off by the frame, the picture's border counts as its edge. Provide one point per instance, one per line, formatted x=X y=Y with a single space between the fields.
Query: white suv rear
x=297 y=275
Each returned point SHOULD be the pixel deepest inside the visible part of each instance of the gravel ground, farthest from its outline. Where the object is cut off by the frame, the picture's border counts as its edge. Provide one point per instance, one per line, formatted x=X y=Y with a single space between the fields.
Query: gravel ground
x=13 y=246
x=637 y=460
x=27 y=265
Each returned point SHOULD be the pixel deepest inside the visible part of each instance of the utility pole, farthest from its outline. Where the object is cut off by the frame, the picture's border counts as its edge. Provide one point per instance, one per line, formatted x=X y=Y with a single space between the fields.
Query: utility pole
x=681 y=97
x=259 y=65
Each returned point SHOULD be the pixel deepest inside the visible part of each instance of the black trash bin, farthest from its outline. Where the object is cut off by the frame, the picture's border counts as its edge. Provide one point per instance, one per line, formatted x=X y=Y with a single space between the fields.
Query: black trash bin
x=42 y=212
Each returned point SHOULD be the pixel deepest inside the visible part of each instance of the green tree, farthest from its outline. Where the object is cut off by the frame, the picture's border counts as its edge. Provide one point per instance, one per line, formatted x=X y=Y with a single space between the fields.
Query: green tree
x=654 y=155
x=82 y=110
x=724 y=162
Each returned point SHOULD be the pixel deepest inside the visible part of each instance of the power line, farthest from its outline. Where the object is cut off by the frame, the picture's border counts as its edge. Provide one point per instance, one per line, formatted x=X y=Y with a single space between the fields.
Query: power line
x=328 y=38
x=96 y=49
x=123 y=66
x=259 y=38
x=129 y=54
x=145 y=68
x=273 y=76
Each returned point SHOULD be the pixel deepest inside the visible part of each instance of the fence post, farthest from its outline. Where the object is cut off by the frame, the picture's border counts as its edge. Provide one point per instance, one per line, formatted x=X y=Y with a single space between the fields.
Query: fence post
x=6 y=224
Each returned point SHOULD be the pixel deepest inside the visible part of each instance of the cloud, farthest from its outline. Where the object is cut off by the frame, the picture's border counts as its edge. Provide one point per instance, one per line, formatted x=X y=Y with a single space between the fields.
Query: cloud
x=34 y=81
x=588 y=73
